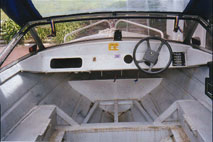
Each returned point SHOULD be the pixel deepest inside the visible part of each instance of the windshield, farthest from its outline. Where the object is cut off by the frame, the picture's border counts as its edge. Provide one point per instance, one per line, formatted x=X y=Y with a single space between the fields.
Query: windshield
x=49 y=8
x=185 y=31
x=139 y=28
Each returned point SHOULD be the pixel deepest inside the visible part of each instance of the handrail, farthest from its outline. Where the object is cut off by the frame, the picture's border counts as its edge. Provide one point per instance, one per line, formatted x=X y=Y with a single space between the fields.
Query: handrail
x=140 y=25
x=86 y=27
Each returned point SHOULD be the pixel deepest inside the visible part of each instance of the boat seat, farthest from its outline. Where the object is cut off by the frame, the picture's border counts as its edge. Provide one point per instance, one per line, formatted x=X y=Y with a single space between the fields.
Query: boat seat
x=195 y=119
x=37 y=125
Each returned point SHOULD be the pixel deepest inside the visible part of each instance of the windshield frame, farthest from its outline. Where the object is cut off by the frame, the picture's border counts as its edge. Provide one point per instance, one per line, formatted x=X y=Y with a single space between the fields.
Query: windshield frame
x=99 y=16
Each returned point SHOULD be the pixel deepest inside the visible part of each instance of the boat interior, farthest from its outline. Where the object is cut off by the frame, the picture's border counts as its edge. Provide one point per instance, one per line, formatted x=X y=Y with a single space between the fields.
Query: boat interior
x=56 y=102
x=96 y=90
x=63 y=107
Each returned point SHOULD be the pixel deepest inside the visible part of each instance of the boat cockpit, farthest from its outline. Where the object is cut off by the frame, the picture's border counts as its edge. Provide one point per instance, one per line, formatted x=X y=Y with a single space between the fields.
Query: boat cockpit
x=128 y=77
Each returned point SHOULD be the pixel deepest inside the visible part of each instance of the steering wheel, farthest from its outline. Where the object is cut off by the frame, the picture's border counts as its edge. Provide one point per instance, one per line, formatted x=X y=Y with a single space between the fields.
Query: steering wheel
x=151 y=56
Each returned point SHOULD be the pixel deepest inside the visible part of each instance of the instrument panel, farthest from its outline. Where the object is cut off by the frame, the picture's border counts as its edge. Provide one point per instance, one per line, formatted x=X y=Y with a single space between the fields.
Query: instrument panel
x=105 y=56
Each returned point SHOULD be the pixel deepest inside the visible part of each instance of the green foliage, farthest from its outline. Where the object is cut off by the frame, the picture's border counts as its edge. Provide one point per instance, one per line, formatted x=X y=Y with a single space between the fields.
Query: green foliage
x=3 y=15
x=65 y=28
x=9 y=29
x=61 y=30
x=43 y=32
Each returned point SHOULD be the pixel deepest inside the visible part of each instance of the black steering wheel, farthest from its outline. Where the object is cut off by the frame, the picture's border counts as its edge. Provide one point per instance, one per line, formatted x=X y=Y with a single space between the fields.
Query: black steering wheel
x=150 y=57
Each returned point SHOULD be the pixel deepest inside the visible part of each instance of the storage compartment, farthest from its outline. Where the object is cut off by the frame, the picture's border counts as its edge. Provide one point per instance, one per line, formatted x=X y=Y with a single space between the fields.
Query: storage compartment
x=66 y=63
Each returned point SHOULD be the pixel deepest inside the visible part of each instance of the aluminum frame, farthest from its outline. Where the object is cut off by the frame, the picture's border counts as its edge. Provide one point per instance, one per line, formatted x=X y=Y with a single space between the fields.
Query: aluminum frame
x=96 y=16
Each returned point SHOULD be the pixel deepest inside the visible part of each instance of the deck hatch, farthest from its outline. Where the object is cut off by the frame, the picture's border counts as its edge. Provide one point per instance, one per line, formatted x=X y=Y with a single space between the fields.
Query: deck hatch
x=66 y=63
